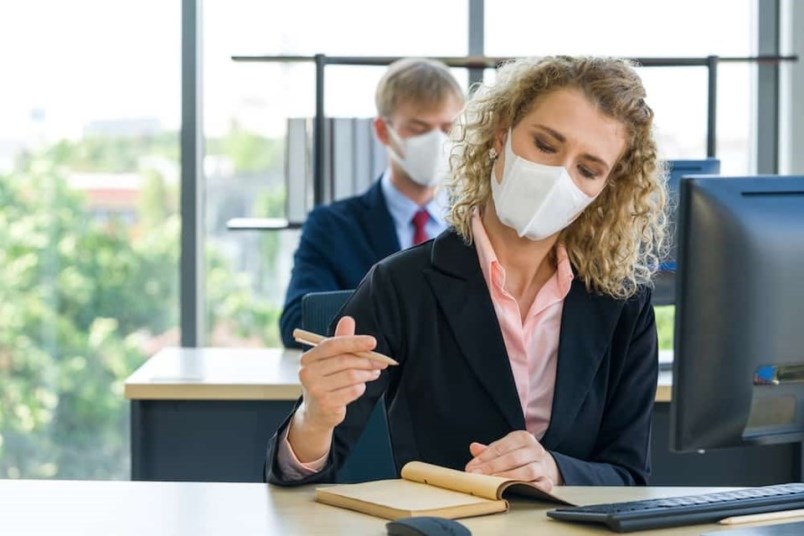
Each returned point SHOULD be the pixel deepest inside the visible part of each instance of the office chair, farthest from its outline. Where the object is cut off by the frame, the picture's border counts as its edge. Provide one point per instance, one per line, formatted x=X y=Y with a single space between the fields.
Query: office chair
x=371 y=457
x=318 y=309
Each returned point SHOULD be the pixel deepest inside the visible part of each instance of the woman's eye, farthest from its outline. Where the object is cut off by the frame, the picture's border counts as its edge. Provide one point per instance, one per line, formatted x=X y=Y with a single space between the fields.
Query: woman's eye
x=544 y=147
x=586 y=172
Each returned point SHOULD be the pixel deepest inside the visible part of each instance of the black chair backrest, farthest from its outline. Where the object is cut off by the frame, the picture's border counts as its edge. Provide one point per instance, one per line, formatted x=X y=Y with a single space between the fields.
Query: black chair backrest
x=319 y=308
x=371 y=457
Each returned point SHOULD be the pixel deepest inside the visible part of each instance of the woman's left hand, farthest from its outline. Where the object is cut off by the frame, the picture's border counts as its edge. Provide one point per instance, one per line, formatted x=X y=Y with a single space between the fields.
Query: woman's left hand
x=517 y=456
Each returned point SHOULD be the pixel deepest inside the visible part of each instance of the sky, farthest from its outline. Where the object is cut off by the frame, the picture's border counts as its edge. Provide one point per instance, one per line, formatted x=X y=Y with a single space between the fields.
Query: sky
x=86 y=60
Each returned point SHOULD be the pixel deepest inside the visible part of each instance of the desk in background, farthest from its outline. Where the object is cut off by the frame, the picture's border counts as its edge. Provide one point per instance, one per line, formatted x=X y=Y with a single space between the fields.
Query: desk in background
x=206 y=415
x=91 y=508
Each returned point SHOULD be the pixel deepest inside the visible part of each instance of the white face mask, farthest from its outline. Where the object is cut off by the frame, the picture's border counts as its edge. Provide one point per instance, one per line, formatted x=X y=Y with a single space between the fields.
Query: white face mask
x=534 y=199
x=426 y=156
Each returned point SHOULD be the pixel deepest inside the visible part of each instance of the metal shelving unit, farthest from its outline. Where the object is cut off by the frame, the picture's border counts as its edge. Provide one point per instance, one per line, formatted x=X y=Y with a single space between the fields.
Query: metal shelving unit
x=476 y=64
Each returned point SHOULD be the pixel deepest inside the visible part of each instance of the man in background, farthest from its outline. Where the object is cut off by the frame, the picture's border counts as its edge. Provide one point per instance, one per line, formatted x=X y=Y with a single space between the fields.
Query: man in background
x=417 y=101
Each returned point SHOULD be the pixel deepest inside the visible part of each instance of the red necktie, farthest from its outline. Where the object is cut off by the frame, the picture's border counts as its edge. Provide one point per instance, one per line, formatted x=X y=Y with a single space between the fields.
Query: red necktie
x=419 y=221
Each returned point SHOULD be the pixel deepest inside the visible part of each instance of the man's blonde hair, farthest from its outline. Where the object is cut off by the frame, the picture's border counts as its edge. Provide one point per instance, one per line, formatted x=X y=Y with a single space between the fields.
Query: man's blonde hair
x=616 y=243
x=423 y=81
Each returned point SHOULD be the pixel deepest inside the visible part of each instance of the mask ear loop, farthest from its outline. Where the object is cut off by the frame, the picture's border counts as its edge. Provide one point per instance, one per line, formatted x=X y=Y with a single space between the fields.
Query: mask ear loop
x=397 y=139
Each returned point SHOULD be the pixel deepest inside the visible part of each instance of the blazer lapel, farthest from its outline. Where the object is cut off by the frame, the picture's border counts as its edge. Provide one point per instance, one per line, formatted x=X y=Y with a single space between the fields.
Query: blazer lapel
x=587 y=322
x=458 y=284
x=378 y=224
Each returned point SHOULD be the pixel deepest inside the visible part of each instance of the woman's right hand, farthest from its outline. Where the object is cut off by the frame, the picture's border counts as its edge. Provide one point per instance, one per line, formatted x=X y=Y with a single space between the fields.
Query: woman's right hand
x=332 y=376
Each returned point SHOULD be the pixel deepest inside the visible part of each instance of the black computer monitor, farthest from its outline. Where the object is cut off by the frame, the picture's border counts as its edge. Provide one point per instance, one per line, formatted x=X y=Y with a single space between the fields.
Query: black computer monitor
x=664 y=293
x=738 y=371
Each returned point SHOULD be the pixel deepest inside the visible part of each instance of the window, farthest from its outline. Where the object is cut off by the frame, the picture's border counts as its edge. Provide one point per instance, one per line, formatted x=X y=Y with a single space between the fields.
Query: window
x=678 y=95
x=664 y=29
x=89 y=246
x=247 y=107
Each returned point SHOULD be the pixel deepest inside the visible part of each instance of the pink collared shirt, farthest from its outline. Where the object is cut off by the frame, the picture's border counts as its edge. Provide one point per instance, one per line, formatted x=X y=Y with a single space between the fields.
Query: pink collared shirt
x=532 y=346
x=289 y=464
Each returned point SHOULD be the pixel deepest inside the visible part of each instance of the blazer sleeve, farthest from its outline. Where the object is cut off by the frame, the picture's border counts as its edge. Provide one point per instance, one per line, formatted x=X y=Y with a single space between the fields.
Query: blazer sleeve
x=622 y=451
x=375 y=308
x=313 y=271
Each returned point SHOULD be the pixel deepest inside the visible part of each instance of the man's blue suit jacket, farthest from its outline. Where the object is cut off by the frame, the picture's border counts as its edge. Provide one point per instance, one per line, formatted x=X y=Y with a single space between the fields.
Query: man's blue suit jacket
x=339 y=244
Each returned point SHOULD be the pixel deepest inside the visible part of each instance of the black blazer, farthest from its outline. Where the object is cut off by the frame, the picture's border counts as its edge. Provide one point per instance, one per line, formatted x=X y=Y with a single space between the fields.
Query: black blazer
x=338 y=246
x=429 y=308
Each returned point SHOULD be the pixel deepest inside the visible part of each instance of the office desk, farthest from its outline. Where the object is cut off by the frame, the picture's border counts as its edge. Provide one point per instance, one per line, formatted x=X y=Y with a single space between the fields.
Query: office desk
x=206 y=414
x=91 y=508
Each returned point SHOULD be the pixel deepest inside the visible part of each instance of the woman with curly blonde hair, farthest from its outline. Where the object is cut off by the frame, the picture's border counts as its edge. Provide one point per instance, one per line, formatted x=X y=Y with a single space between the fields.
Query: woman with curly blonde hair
x=614 y=246
x=525 y=336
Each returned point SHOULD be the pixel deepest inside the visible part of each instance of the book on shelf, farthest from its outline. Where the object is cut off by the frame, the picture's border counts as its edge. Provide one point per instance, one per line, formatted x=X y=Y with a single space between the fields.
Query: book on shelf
x=363 y=156
x=343 y=163
x=431 y=490
x=298 y=173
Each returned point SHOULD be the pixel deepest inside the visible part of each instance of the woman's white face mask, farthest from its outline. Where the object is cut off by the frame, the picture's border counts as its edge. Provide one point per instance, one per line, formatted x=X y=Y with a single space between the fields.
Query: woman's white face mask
x=425 y=158
x=535 y=200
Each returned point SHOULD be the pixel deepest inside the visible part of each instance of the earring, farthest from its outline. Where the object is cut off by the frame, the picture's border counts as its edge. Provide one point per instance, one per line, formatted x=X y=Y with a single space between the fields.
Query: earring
x=493 y=154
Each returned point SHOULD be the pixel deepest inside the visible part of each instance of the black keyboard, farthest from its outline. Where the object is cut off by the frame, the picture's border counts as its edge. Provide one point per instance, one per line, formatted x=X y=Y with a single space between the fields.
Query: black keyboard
x=687 y=510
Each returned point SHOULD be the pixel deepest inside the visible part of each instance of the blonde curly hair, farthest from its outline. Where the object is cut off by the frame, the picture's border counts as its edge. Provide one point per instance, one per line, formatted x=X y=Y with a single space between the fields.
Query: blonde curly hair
x=616 y=244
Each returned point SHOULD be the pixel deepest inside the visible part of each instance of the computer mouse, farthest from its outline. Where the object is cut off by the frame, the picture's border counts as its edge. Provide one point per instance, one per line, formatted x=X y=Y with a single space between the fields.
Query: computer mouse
x=426 y=526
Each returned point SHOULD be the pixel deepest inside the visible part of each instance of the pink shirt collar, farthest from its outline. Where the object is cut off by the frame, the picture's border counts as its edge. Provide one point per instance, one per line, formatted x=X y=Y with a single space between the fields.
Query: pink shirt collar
x=494 y=271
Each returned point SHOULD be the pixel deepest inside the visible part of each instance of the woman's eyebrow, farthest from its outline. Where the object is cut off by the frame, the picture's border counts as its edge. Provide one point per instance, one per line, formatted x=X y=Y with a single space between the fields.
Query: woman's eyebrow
x=560 y=137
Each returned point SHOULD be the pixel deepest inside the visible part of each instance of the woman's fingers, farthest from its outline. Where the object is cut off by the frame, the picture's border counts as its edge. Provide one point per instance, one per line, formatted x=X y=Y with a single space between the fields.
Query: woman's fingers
x=340 y=345
x=475 y=449
x=517 y=453
x=522 y=461
x=346 y=378
x=513 y=441
x=332 y=376
x=339 y=363
x=345 y=327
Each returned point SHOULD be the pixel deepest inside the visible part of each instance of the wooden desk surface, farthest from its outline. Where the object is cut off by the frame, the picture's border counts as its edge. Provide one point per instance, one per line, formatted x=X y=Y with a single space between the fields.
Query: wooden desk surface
x=90 y=508
x=238 y=374
x=664 y=391
x=217 y=374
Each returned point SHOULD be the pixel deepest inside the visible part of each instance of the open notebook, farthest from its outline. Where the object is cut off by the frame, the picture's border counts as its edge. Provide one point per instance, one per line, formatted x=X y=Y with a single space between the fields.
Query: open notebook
x=431 y=490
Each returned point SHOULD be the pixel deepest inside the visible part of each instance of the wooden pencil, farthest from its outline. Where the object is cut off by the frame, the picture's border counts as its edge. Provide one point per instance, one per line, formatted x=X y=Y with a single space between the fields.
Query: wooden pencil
x=314 y=339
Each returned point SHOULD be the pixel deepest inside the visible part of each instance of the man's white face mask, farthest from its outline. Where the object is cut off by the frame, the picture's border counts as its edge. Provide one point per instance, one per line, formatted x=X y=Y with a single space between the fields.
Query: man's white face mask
x=425 y=158
x=535 y=200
